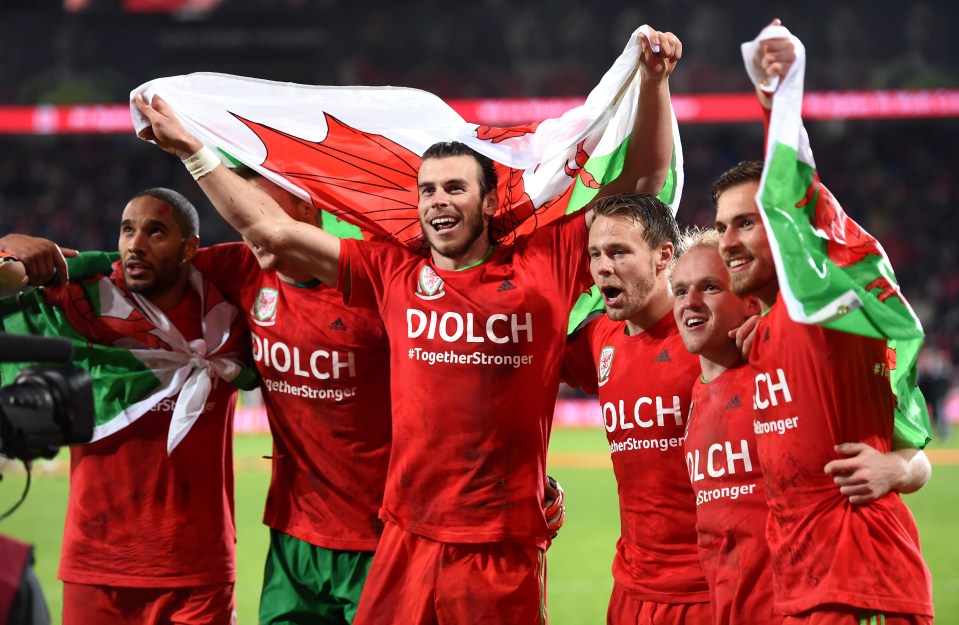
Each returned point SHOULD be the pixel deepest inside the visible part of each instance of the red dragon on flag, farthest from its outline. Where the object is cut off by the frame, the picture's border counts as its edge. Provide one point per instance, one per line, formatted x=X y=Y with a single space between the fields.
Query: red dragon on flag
x=846 y=242
x=370 y=180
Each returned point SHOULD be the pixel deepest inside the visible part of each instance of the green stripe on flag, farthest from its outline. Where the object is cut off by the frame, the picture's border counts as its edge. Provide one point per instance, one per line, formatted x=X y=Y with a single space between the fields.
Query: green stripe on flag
x=339 y=228
x=603 y=169
x=860 y=297
x=668 y=193
x=814 y=279
x=120 y=379
x=89 y=264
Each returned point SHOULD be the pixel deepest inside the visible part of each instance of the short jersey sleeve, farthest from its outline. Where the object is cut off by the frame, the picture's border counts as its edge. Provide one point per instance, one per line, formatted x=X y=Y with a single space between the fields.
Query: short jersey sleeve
x=579 y=363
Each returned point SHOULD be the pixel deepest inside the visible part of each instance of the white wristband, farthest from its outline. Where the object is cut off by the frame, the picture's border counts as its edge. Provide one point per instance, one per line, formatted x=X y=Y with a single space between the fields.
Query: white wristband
x=201 y=163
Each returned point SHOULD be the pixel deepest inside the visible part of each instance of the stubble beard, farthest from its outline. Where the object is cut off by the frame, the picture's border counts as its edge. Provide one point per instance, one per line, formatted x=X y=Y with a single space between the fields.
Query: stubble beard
x=751 y=282
x=454 y=249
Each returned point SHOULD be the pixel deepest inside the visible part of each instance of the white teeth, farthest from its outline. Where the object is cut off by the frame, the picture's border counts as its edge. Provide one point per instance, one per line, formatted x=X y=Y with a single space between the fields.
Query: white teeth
x=691 y=323
x=443 y=221
x=736 y=262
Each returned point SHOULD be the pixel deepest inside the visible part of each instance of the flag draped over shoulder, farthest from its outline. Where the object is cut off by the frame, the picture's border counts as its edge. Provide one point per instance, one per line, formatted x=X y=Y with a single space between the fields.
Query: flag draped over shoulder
x=831 y=272
x=355 y=151
x=134 y=354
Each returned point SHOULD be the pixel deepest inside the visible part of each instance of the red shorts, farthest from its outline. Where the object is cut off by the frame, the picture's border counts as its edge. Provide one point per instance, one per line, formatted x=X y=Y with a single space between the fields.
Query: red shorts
x=848 y=615
x=85 y=604
x=625 y=608
x=416 y=581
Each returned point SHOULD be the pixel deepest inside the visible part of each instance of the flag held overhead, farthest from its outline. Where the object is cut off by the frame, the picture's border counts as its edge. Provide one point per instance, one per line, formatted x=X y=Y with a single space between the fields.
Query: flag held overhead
x=831 y=271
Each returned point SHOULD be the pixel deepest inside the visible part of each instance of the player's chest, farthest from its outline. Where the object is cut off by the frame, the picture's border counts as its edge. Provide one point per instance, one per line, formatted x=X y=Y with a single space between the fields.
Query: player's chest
x=484 y=310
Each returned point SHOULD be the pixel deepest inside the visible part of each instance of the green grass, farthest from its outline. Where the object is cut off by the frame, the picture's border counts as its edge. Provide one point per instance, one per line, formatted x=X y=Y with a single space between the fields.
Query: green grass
x=578 y=563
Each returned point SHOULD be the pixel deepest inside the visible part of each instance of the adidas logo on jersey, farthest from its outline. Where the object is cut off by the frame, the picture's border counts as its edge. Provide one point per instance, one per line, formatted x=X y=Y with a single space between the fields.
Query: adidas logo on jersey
x=733 y=403
x=663 y=356
x=506 y=286
x=338 y=325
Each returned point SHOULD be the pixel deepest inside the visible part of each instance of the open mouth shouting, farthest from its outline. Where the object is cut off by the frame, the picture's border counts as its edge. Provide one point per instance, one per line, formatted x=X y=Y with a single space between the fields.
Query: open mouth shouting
x=612 y=296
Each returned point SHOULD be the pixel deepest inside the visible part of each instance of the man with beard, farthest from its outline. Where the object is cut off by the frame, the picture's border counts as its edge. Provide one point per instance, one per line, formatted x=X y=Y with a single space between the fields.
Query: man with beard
x=720 y=443
x=633 y=358
x=475 y=334
x=149 y=534
x=815 y=390
x=323 y=367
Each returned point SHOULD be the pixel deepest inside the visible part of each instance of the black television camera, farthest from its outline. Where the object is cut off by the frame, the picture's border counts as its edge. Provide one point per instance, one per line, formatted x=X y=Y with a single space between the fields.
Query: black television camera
x=46 y=406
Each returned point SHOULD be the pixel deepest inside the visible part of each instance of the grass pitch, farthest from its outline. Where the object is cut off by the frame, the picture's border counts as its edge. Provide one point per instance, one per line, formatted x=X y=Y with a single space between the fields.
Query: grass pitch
x=579 y=579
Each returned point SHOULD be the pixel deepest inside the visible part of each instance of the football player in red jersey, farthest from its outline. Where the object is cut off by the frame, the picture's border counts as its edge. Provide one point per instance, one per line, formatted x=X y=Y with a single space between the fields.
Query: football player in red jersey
x=720 y=445
x=815 y=390
x=633 y=358
x=323 y=370
x=136 y=508
x=475 y=333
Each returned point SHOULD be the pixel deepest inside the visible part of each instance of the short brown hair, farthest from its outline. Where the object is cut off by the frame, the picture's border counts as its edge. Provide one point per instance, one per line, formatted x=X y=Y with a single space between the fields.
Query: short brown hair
x=449 y=149
x=745 y=171
x=656 y=218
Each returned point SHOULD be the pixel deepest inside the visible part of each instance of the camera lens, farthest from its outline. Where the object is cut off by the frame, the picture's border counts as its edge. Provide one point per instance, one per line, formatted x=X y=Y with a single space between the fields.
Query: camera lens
x=45 y=407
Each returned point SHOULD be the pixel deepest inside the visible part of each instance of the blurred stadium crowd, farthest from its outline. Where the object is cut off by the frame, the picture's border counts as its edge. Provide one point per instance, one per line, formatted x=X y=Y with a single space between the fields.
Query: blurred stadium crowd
x=485 y=48
x=897 y=178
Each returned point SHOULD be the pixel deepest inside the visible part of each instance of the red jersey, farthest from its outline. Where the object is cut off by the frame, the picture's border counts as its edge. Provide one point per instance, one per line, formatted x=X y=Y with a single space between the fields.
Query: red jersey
x=324 y=372
x=815 y=388
x=137 y=517
x=475 y=357
x=731 y=507
x=644 y=384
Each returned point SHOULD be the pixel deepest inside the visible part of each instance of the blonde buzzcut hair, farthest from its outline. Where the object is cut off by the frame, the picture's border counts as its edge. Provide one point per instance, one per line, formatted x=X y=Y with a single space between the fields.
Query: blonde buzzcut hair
x=693 y=238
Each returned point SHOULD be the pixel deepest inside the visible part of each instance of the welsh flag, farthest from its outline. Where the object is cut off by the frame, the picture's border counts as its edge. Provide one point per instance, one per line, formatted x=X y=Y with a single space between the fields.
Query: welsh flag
x=831 y=272
x=134 y=354
x=355 y=151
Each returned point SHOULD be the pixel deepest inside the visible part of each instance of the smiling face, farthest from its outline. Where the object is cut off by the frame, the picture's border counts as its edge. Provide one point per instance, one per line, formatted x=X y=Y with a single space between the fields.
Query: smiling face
x=153 y=251
x=624 y=267
x=454 y=213
x=704 y=306
x=743 y=244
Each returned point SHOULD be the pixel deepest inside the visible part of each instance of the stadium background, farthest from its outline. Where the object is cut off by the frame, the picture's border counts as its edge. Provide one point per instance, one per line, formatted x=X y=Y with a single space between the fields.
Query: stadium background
x=897 y=177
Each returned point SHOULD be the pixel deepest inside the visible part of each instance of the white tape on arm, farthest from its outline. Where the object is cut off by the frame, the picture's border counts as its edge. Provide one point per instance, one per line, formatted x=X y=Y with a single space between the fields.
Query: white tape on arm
x=201 y=163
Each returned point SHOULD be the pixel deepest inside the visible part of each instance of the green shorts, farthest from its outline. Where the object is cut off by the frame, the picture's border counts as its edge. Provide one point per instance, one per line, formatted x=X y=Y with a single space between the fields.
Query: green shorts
x=305 y=584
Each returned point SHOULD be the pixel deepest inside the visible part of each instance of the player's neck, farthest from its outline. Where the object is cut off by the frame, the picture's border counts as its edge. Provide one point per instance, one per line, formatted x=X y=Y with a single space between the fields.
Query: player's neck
x=479 y=251
x=659 y=305
x=767 y=296
x=714 y=365
x=294 y=276
x=173 y=296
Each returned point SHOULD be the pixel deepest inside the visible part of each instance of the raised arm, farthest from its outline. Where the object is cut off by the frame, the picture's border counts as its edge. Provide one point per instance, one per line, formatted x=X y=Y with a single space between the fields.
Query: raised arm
x=650 y=151
x=774 y=57
x=249 y=210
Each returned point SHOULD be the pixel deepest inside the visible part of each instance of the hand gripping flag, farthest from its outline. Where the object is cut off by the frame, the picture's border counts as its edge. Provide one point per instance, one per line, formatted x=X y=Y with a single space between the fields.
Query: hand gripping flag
x=134 y=354
x=355 y=151
x=831 y=272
